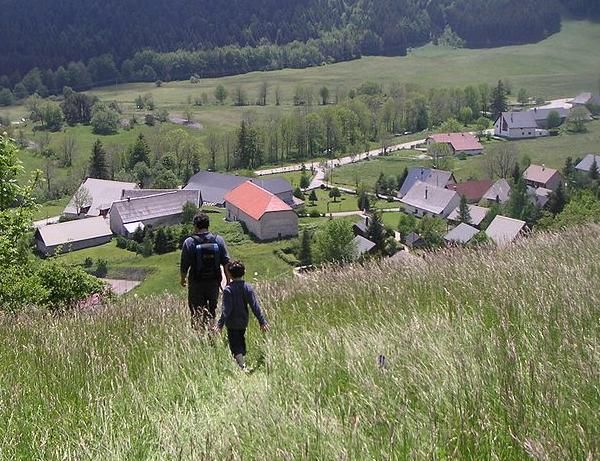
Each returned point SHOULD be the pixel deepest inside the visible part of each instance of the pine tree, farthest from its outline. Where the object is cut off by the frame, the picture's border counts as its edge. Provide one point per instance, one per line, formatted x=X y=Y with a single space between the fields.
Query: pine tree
x=464 y=215
x=161 y=242
x=304 y=180
x=98 y=165
x=305 y=254
x=313 y=197
x=363 y=201
x=376 y=231
x=569 y=168
x=516 y=173
x=594 y=169
x=557 y=200
x=499 y=100
x=139 y=152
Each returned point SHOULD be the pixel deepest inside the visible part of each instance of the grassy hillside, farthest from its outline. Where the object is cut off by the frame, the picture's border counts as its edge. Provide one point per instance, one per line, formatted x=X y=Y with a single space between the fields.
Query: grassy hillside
x=489 y=355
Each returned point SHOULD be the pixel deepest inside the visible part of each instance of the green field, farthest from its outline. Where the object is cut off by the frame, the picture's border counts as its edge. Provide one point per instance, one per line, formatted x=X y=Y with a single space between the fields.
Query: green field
x=500 y=361
x=160 y=273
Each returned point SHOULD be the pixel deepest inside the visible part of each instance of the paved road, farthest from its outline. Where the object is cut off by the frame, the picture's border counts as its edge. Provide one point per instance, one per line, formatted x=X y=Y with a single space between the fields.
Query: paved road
x=337 y=162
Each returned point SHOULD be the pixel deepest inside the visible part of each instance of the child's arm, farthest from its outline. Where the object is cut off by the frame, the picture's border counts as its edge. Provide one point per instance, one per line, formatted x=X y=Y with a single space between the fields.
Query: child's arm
x=227 y=306
x=253 y=301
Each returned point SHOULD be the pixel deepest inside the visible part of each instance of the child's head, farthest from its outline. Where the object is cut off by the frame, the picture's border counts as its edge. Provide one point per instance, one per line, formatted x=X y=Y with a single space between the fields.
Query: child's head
x=236 y=269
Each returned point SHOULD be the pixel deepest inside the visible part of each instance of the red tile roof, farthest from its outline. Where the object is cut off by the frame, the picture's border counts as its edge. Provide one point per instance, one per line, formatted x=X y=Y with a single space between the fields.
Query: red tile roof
x=473 y=190
x=459 y=141
x=255 y=201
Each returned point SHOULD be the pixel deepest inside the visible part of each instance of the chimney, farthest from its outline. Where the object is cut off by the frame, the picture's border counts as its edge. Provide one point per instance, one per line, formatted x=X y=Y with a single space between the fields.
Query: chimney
x=426 y=193
x=367 y=221
x=129 y=199
x=543 y=167
x=535 y=109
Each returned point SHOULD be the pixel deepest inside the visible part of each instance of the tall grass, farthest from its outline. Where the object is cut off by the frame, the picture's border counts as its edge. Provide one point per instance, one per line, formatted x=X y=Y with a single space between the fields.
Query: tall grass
x=488 y=355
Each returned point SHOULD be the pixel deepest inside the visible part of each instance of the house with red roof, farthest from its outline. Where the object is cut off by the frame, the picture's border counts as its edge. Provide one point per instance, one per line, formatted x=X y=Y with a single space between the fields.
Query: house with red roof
x=265 y=215
x=460 y=143
x=540 y=176
x=473 y=191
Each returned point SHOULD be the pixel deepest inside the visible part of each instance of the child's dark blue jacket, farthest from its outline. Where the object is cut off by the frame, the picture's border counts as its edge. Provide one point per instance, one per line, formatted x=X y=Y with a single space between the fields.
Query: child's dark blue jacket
x=237 y=296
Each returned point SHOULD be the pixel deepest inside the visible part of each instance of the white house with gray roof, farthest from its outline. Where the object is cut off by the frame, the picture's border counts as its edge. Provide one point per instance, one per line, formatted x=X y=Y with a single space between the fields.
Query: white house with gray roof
x=477 y=213
x=518 y=125
x=101 y=193
x=215 y=186
x=73 y=235
x=461 y=234
x=437 y=178
x=160 y=209
x=498 y=193
x=426 y=200
x=503 y=230
x=585 y=165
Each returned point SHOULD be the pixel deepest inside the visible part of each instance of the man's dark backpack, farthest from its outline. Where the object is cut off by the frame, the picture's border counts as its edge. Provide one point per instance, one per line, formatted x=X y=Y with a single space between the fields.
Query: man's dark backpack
x=207 y=264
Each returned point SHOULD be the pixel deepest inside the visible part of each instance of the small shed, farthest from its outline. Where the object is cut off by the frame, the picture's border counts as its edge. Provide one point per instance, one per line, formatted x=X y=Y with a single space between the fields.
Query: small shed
x=363 y=245
x=503 y=230
x=461 y=234
x=72 y=235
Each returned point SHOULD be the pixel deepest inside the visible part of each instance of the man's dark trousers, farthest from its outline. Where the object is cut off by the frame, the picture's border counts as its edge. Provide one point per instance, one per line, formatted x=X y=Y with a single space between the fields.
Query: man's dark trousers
x=203 y=297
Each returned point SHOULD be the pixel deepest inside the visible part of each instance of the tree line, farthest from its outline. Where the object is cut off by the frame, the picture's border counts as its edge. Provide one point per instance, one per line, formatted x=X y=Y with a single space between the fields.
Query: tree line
x=75 y=46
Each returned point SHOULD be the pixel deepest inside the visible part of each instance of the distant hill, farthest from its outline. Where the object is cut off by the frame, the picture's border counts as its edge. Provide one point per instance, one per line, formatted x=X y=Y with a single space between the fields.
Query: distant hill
x=46 y=35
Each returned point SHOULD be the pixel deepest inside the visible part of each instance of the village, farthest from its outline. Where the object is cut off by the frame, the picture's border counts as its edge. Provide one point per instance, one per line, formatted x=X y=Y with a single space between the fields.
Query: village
x=269 y=207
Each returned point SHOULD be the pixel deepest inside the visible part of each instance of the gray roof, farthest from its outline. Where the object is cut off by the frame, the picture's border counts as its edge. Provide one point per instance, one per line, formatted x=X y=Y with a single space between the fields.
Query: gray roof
x=412 y=239
x=595 y=101
x=361 y=226
x=155 y=206
x=103 y=194
x=439 y=178
x=586 y=163
x=215 y=186
x=500 y=190
x=363 y=245
x=520 y=119
x=542 y=114
x=477 y=213
x=274 y=185
x=137 y=193
x=539 y=196
x=74 y=231
x=429 y=198
x=582 y=98
x=503 y=230
x=463 y=233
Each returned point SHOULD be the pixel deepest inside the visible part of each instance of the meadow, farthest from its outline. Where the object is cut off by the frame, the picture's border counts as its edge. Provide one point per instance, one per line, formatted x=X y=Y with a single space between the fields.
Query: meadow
x=478 y=354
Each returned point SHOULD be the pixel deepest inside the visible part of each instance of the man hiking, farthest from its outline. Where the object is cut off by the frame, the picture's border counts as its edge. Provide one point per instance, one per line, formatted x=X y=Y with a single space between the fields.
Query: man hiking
x=202 y=256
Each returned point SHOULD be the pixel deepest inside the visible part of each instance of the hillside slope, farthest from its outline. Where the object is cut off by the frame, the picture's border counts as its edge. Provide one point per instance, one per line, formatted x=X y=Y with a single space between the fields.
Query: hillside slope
x=488 y=355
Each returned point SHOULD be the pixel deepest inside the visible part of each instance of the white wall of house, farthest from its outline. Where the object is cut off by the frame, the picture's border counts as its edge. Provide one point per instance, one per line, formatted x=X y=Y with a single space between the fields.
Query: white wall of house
x=116 y=223
x=271 y=226
x=278 y=224
x=71 y=246
x=420 y=212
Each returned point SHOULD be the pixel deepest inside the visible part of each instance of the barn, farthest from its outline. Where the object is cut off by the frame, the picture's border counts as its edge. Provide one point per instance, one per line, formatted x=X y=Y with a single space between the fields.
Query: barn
x=265 y=215
x=72 y=235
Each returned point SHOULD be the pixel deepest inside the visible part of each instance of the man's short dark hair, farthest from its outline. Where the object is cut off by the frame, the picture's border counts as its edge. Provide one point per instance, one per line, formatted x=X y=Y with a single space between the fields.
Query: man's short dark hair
x=201 y=220
x=236 y=269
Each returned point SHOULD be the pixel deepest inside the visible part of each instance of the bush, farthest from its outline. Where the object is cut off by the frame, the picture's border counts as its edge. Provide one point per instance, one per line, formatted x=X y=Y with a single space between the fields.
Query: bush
x=314 y=214
x=101 y=268
x=19 y=288
x=287 y=258
x=149 y=120
x=133 y=246
x=88 y=262
x=122 y=242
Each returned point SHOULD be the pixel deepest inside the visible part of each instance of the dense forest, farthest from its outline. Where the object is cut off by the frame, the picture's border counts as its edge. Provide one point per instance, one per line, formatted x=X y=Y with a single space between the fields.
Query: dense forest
x=85 y=43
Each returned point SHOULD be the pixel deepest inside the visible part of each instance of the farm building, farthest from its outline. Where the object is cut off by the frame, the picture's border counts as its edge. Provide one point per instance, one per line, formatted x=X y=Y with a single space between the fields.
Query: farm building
x=426 y=200
x=361 y=227
x=503 y=230
x=472 y=190
x=95 y=197
x=539 y=196
x=73 y=235
x=540 y=115
x=138 y=193
x=498 y=193
x=518 y=125
x=363 y=245
x=477 y=213
x=215 y=186
x=586 y=164
x=460 y=143
x=461 y=234
x=540 y=176
x=160 y=209
x=437 y=178
x=581 y=99
x=265 y=215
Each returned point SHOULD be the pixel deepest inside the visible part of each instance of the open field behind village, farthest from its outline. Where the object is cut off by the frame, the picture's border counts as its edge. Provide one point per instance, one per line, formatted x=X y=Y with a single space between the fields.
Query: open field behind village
x=486 y=354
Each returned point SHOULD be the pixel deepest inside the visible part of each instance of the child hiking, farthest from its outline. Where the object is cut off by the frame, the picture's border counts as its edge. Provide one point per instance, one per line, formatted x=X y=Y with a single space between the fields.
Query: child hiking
x=237 y=296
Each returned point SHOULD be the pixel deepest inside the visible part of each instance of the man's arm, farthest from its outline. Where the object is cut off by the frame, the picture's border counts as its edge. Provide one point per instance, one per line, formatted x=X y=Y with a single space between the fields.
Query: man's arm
x=224 y=257
x=253 y=301
x=227 y=306
x=185 y=264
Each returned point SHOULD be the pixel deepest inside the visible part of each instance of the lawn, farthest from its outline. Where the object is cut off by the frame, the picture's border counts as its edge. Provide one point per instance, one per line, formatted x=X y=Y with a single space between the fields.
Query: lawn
x=470 y=355
x=51 y=209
